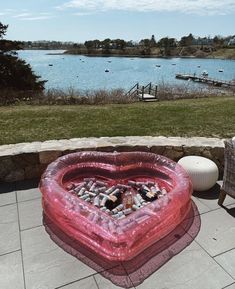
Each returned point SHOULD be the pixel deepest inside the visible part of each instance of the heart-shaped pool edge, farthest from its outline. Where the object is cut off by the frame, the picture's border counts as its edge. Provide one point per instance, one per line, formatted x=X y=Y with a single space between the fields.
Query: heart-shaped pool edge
x=132 y=272
x=118 y=241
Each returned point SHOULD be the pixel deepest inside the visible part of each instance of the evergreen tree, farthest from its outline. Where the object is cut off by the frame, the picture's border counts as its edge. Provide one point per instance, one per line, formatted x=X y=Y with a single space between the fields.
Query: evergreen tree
x=15 y=73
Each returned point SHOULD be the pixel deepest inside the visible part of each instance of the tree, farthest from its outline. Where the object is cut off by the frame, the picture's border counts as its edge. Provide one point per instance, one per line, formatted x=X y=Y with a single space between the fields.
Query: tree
x=186 y=40
x=15 y=73
x=145 y=42
x=153 y=42
x=167 y=44
x=218 y=41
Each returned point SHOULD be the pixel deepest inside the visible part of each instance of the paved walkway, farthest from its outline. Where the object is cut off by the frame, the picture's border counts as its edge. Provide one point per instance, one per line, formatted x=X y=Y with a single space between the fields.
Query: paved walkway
x=30 y=260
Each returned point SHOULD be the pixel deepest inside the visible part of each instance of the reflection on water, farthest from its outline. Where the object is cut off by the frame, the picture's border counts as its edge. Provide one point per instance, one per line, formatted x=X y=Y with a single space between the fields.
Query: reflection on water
x=89 y=73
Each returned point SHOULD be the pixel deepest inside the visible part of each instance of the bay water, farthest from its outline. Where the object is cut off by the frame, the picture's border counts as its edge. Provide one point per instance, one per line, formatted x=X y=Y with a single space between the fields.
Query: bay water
x=63 y=71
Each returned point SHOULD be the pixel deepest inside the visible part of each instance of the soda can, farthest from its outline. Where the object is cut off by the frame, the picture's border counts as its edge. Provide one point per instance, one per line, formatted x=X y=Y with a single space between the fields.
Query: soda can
x=92 y=194
x=132 y=183
x=127 y=211
x=121 y=186
x=144 y=187
x=104 y=200
x=120 y=214
x=101 y=190
x=89 y=185
x=150 y=183
x=78 y=188
x=92 y=187
x=135 y=207
x=115 y=192
x=103 y=195
x=136 y=201
x=110 y=190
x=140 y=198
x=83 y=197
x=100 y=183
x=141 y=184
x=96 y=201
x=120 y=207
x=82 y=191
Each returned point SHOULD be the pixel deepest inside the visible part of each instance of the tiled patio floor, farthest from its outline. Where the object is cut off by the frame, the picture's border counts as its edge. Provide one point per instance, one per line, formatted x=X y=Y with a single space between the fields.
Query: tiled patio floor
x=30 y=260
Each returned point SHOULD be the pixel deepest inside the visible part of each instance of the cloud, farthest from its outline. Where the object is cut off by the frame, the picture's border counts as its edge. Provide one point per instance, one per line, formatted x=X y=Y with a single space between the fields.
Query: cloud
x=83 y=13
x=40 y=17
x=32 y=17
x=202 y=7
x=21 y=15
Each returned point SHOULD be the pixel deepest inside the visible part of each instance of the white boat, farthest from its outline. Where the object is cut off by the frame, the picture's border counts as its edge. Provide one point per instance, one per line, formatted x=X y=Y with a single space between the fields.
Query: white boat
x=204 y=73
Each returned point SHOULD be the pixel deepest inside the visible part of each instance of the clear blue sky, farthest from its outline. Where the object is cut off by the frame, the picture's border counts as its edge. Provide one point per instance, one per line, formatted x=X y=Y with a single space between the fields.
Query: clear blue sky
x=80 y=20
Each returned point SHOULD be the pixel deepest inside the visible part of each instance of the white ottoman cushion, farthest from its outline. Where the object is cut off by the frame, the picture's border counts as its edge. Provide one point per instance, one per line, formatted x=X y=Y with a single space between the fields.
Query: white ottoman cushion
x=203 y=172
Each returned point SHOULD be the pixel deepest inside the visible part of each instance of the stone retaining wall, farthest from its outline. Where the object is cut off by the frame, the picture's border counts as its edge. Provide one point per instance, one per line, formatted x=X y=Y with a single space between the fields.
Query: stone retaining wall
x=28 y=160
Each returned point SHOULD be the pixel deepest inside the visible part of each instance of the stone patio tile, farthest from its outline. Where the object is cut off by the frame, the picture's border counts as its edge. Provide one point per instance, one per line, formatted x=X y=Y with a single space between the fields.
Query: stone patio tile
x=217 y=232
x=124 y=281
x=232 y=286
x=213 y=203
x=192 y=268
x=200 y=206
x=210 y=197
x=87 y=283
x=227 y=261
x=46 y=265
x=9 y=229
x=11 y=273
x=29 y=193
x=7 y=198
x=30 y=213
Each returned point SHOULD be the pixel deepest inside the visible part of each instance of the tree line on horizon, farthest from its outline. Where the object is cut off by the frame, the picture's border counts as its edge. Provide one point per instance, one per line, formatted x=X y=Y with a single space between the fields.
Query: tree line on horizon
x=107 y=44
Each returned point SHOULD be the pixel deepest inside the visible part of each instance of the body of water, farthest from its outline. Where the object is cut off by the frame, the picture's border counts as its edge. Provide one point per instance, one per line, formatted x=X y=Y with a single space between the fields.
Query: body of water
x=90 y=73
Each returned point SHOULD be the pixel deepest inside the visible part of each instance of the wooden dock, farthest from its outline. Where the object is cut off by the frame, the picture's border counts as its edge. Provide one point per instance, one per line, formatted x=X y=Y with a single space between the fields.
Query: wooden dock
x=205 y=79
x=144 y=93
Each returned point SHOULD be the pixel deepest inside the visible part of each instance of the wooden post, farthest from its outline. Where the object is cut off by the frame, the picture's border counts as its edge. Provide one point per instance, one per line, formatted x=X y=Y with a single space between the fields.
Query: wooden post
x=150 y=86
x=142 y=92
x=156 y=91
x=137 y=88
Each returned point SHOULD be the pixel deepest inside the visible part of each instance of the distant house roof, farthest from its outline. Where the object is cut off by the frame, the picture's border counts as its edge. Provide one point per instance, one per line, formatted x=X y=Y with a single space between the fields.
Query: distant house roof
x=202 y=41
x=232 y=41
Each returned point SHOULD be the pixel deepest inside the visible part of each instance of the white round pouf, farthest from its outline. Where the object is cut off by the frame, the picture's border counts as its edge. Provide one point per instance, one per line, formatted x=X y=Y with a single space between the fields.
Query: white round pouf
x=203 y=172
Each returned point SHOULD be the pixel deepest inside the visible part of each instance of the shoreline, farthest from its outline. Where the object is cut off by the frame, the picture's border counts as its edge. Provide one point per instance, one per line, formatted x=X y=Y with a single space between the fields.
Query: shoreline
x=141 y=56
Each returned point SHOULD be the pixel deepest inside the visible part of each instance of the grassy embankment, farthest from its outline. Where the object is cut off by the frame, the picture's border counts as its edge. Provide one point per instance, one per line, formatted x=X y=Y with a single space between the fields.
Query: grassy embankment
x=224 y=53
x=211 y=117
x=190 y=51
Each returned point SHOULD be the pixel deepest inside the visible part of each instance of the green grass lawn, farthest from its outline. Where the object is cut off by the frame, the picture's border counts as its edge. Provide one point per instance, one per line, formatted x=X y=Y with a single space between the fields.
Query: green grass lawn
x=210 y=117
